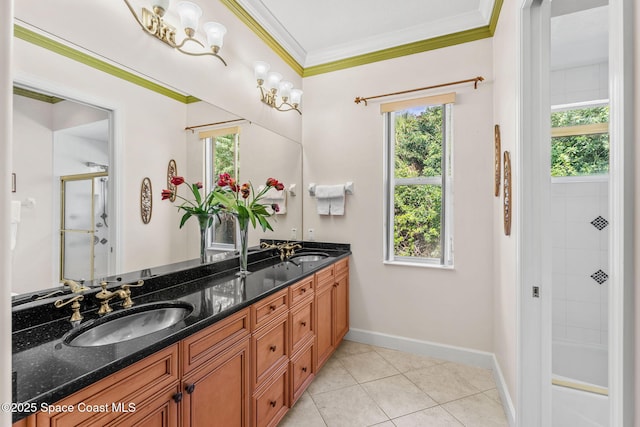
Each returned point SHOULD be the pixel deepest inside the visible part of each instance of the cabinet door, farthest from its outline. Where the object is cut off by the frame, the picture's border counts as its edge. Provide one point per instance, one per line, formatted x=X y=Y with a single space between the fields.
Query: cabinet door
x=218 y=394
x=340 y=308
x=160 y=410
x=324 y=346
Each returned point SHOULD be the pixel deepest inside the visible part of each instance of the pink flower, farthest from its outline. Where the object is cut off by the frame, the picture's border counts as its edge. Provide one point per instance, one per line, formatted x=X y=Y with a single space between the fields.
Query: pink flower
x=177 y=180
x=275 y=207
x=198 y=185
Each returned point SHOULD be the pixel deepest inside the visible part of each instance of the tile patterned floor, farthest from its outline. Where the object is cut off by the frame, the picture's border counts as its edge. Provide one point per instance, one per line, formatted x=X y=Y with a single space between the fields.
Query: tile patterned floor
x=363 y=385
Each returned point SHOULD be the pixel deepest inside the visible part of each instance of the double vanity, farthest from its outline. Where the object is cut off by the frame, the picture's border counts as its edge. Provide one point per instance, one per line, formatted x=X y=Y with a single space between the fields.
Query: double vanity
x=198 y=346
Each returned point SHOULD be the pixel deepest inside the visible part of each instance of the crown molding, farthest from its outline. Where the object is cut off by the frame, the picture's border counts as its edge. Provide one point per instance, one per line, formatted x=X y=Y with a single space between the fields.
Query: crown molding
x=481 y=23
x=47 y=42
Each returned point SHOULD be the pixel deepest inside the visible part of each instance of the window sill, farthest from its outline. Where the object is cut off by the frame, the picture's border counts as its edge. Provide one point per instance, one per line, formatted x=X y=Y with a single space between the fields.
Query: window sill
x=419 y=264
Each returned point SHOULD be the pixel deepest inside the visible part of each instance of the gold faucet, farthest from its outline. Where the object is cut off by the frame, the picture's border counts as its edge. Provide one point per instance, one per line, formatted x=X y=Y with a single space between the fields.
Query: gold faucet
x=286 y=249
x=75 y=287
x=124 y=293
x=75 y=316
x=127 y=291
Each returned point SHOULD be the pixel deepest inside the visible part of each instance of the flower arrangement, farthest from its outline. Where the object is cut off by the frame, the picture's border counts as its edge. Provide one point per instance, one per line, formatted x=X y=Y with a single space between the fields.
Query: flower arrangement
x=241 y=201
x=227 y=196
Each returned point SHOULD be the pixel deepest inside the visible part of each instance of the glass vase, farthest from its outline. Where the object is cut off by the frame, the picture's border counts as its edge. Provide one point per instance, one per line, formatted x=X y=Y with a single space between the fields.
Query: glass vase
x=244 y=244
x=204 y=222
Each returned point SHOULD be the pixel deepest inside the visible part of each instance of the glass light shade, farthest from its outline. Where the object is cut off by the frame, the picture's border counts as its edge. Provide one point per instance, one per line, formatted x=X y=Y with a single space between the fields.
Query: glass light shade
x=215 y=33
x=296 y=96
x=284 y=89
x=273 y=80
x=261 y=68
x=161 y=4
x=189 y=13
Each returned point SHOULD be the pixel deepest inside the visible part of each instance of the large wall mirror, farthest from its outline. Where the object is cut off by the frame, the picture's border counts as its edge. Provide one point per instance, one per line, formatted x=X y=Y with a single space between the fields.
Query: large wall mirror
x=115 y=134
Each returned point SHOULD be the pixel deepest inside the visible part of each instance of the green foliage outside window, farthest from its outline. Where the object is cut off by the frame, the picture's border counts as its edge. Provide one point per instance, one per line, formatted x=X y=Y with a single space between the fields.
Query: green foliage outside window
x=581 y=154
x=417 y=207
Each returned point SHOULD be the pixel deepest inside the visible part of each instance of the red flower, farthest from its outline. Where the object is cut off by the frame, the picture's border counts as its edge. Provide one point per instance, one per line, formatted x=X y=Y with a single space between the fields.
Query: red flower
x=177 y=180
x=279 y=186
x=245 y=190
x=224 y=179
x=275 y=207
x=272 y=182
x=166 y=194
x=198 y=184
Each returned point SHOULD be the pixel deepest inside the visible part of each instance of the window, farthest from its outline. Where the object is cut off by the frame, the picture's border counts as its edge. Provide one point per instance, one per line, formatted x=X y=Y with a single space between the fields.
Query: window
x=221 y=155
x=418 y=181
x=580 y=140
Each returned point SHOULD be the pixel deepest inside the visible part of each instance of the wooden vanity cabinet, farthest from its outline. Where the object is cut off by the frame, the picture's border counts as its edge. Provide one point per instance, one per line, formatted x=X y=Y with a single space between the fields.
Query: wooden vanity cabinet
x=270 y=359
x=215 y=381
x=143 y=394
x=245 y=370
x=332 y=309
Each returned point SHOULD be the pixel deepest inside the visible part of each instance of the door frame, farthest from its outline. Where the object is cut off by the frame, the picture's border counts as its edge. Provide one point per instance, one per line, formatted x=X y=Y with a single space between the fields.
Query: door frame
x=534 y=335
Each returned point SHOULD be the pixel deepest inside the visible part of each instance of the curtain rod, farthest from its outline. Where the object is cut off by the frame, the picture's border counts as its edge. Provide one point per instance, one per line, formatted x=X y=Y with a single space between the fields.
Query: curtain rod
x=191 y=128
x=475 y=81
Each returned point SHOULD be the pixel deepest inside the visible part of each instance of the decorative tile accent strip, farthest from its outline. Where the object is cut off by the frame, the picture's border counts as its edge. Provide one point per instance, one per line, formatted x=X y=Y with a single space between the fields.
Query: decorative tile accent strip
x=600 y=277
x=600 y=223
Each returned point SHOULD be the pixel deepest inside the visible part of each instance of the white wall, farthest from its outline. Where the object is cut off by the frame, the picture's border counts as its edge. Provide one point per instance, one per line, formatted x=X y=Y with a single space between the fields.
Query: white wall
x=579 y=84
x=636 y=23
x=33 y=166
x=344 y=142
x=505 y=107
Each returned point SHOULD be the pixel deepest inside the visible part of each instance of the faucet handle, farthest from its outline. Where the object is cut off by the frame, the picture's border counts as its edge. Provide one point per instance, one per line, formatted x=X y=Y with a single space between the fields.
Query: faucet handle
x=127 y=291
x=75 y=286
x=75 y=306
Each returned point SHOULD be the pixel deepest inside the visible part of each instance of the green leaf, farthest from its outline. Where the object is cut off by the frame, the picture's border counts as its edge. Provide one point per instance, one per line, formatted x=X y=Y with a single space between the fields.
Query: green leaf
x=184 y=219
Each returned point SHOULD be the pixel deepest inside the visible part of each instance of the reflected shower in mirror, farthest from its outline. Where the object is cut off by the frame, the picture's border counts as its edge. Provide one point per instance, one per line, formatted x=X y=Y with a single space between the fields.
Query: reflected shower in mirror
x=61 y=221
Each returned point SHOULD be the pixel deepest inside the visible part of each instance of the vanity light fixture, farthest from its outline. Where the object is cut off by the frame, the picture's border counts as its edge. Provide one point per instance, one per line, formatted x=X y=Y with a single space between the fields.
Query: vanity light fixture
x=273 y=87
x=152 y=22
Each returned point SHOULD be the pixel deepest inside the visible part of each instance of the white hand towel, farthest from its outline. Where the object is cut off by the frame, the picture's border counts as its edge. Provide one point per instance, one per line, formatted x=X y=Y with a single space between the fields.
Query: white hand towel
x=330 y=199
x=278 y=197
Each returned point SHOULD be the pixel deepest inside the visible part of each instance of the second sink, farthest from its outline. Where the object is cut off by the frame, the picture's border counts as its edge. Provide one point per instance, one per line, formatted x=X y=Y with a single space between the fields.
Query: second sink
x=124 y=325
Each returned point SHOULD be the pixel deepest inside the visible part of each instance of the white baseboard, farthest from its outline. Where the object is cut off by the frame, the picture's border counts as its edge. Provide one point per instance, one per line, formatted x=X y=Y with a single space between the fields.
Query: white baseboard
x=450 y=353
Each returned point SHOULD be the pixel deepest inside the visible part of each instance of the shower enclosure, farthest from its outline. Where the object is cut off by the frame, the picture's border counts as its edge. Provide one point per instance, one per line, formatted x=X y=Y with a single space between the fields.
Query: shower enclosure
x=84 y=252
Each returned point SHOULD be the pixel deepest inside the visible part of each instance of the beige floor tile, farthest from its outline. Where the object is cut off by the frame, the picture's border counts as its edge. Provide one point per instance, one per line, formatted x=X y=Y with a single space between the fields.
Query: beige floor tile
x=405 y=362
x=442 y=382
x=433 y=417
x=477 y=411
x=332 y=376
x=493 y=394
x=304 y=413
x=384 y=424
x=480 y=378
x=398 y=396
x=368 y=366
x=350 y=348
x=348 y=407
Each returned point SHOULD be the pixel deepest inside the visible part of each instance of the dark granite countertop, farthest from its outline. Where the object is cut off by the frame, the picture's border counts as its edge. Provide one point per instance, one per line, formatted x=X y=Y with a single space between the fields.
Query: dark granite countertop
x=45 y=369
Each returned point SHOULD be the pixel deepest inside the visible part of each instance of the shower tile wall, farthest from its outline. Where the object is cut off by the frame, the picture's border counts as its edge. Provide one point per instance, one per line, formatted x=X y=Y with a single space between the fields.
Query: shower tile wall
x=580 y=260
x=580 y=84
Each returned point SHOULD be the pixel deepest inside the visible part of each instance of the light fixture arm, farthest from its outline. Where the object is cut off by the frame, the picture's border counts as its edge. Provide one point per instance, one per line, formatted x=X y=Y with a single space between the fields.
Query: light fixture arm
x=269 y=97
x=153 y=24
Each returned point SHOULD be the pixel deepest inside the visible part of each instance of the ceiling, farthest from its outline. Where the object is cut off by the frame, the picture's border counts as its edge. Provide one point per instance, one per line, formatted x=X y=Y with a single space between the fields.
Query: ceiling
x=316 y=33
x=321 y=32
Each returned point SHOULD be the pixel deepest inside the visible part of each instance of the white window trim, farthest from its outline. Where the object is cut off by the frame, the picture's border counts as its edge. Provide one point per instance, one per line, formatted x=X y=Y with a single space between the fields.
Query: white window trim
x=390 y=182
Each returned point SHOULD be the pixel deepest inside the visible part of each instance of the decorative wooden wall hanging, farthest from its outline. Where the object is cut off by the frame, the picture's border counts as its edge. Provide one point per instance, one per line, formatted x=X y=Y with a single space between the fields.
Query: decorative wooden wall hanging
x=146 y=201
x=497 y=151
x=507 y=194
x=172 y=170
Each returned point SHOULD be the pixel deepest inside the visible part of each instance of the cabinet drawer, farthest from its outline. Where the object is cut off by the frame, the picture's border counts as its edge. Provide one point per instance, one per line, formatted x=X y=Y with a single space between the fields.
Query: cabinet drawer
x=202 y=346
x=301 y=290
x=341 y=267
x=301 y=371
x=270 y=402
x=132 y=385
x=324 y=277
x=270 y=308
x=270 y=348
x=302 y=324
